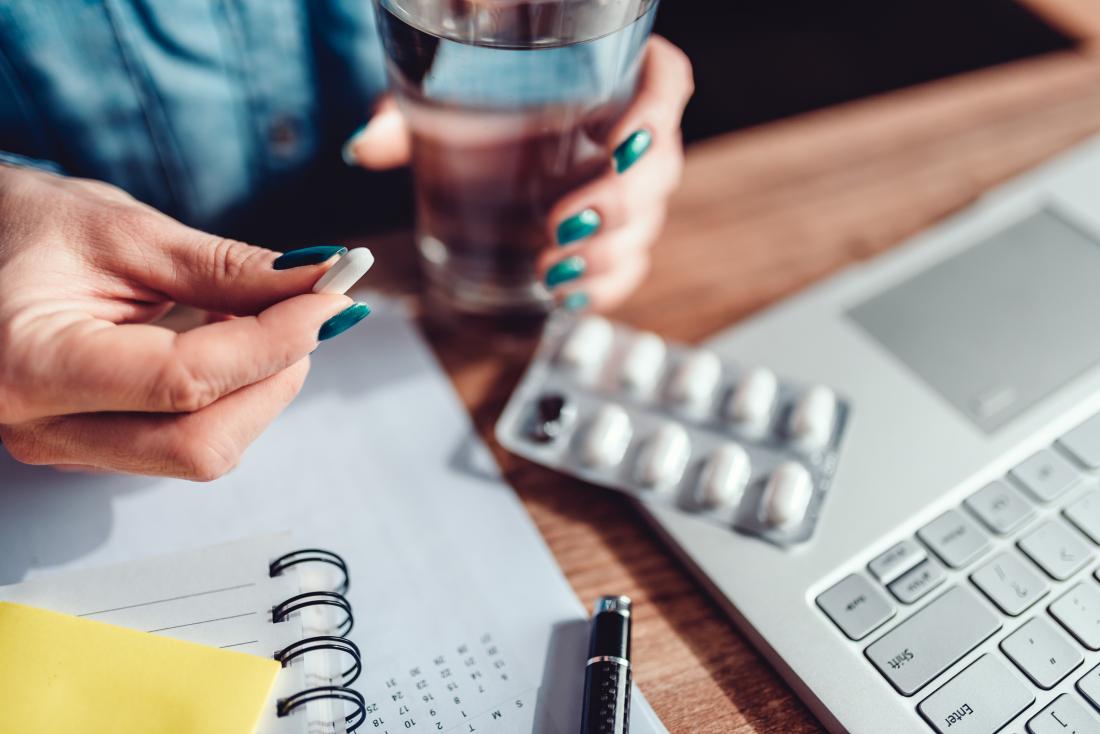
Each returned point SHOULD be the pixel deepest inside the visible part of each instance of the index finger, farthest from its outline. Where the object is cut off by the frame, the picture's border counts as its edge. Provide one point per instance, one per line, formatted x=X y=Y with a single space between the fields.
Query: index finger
x=664 y=88
x=84 y=365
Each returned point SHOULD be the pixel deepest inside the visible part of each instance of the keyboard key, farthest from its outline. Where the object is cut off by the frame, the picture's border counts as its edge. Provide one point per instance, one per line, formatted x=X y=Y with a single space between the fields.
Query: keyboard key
x=1089 y=686
x=919 y=581
x=1011 y=583
x=897 y=559
x=1079 y=612
x=857 y=606
x=933 y=639
x=1042 y=652
x=1083 y=442
x=955 y=538
x=981 y=699
x=1047 y=475
x=1065 y=715
x=1085 y=514
x=1000 y=506
x=1057 y=549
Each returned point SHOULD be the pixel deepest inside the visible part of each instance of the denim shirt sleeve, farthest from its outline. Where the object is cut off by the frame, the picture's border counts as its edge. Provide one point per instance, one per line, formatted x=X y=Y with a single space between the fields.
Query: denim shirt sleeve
x=197 y=108
x=21 y=161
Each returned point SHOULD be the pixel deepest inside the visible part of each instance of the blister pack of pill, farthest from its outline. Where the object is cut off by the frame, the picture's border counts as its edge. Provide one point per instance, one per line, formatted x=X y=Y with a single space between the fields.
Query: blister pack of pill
x=677 y=426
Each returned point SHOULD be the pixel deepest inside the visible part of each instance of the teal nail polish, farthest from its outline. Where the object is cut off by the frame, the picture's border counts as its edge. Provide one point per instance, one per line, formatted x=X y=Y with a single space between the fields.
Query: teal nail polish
x=631 y=149
x=576 y=301
x=307 y=256
x=343 y=321
x=568 y=269
x=347 y=152
x=578 y=226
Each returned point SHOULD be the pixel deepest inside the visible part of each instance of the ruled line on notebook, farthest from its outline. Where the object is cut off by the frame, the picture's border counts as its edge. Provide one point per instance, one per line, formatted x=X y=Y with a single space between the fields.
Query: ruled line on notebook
x=164 y=601
x=203 y=621
x=238 y=644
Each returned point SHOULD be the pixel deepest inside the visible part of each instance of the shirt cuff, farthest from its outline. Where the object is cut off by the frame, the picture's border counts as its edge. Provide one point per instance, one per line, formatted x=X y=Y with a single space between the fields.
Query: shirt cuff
x=22 y=161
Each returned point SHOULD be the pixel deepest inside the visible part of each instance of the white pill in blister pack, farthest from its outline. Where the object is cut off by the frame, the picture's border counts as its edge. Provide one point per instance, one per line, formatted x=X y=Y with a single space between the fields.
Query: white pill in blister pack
x=345 y=272
x=751 y=403
x=607 y=438
x=724 y=476
x=588 y=344
x=678 y=427
x=664 y=457
x=786 y=496
x=642 y=363
x=695 y=380
x=811 y=421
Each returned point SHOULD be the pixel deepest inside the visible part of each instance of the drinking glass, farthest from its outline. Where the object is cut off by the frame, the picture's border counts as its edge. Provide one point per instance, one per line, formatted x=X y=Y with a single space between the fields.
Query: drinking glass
x=510 y=104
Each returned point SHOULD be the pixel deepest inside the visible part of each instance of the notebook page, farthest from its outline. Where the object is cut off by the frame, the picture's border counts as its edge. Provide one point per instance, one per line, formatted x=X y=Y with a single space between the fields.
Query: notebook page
x=219 y=596
x=463 y=617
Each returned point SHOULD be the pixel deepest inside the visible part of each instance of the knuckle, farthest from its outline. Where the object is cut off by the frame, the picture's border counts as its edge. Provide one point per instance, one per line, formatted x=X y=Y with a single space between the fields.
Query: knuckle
x=228 y=259
x=16 y=375
x=7 y=391
x=23 y=446
x=130 y=221
x=687 y=70
x=182 y=391
x=7 y=403
x=201 y=458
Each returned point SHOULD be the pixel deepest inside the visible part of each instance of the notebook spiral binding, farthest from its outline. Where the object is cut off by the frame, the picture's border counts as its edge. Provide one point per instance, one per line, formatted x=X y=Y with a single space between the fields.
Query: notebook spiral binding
x=337 y=643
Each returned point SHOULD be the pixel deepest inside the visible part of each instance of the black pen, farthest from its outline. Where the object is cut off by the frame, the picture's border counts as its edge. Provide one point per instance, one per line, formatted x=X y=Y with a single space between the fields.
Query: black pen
x=607 y=672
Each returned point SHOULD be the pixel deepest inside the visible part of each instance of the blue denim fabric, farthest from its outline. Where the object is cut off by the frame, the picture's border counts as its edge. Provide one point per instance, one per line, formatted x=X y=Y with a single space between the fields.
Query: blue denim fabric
x=201 y=108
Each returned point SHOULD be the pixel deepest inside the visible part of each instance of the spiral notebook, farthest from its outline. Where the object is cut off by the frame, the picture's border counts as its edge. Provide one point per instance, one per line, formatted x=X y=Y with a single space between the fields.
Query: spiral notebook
x=463 y=617
x=254 y=596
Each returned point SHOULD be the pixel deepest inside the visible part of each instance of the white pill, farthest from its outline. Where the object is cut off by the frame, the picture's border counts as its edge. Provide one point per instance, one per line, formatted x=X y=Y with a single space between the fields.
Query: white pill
x=607 y=438
x=642 y=363
x=786 y=496
x=587 y=345
x=811 y=421
x=724 y=476
x=346 y=272
x=695 y=379
x=751 y=402
x=665 y=456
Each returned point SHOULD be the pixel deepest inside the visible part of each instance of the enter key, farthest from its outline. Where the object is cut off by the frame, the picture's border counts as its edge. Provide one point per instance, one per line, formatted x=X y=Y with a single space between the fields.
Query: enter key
x=982 y=698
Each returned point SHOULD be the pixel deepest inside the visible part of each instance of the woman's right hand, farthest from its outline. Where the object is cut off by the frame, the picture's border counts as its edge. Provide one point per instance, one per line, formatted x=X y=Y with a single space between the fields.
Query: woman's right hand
x=86 y=380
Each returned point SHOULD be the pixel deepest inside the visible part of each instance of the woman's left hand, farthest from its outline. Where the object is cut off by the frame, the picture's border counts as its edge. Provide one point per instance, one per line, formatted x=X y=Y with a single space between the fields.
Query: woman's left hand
x=604 y=230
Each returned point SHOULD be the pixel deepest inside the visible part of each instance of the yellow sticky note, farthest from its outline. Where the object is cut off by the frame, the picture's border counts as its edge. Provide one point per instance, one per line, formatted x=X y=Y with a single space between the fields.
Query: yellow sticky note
x=62 y=674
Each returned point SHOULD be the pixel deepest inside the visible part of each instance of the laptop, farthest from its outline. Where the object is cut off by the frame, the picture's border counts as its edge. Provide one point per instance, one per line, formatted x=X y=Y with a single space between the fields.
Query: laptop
x=952 y=582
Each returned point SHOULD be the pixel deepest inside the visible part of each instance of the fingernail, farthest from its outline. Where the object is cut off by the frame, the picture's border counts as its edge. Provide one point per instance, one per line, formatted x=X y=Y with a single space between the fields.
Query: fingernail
x=348 y=151
x=343 y=321
x=568 y=269
x=631 y=149
x=576 y=301
x=307 y=256
x=578 y=226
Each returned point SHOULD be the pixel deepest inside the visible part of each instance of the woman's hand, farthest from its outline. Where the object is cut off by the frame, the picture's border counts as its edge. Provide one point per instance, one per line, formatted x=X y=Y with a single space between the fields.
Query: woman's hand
x=604 y=230
x=86 y=381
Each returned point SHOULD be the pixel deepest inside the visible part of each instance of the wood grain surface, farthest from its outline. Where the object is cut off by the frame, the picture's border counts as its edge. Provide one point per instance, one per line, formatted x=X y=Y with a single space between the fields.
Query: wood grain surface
x=761 y=214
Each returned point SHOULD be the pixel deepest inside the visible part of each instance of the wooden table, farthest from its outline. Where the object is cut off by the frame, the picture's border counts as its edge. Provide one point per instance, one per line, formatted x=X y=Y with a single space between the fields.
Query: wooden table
x=763 y=213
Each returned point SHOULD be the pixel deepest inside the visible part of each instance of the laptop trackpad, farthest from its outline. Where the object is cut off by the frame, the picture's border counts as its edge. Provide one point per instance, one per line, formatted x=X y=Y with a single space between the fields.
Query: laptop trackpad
x=1000 y=326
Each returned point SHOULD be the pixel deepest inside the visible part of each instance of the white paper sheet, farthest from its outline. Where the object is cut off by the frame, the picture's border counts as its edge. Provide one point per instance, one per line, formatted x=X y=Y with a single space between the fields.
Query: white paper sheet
x=376 y=460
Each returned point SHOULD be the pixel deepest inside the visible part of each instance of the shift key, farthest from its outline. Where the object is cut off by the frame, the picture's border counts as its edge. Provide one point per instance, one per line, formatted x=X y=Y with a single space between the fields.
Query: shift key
x=930 y=641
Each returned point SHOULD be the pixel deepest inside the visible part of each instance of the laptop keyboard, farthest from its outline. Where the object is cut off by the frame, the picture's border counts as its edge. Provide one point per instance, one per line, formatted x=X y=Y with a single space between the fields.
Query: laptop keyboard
x=1026 y=549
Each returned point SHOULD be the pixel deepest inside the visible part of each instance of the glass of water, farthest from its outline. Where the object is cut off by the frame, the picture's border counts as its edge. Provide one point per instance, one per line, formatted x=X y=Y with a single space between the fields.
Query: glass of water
x=510 y=104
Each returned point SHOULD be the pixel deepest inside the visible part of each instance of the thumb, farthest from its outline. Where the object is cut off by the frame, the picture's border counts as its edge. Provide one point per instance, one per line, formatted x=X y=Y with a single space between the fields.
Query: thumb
x=383 y=142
